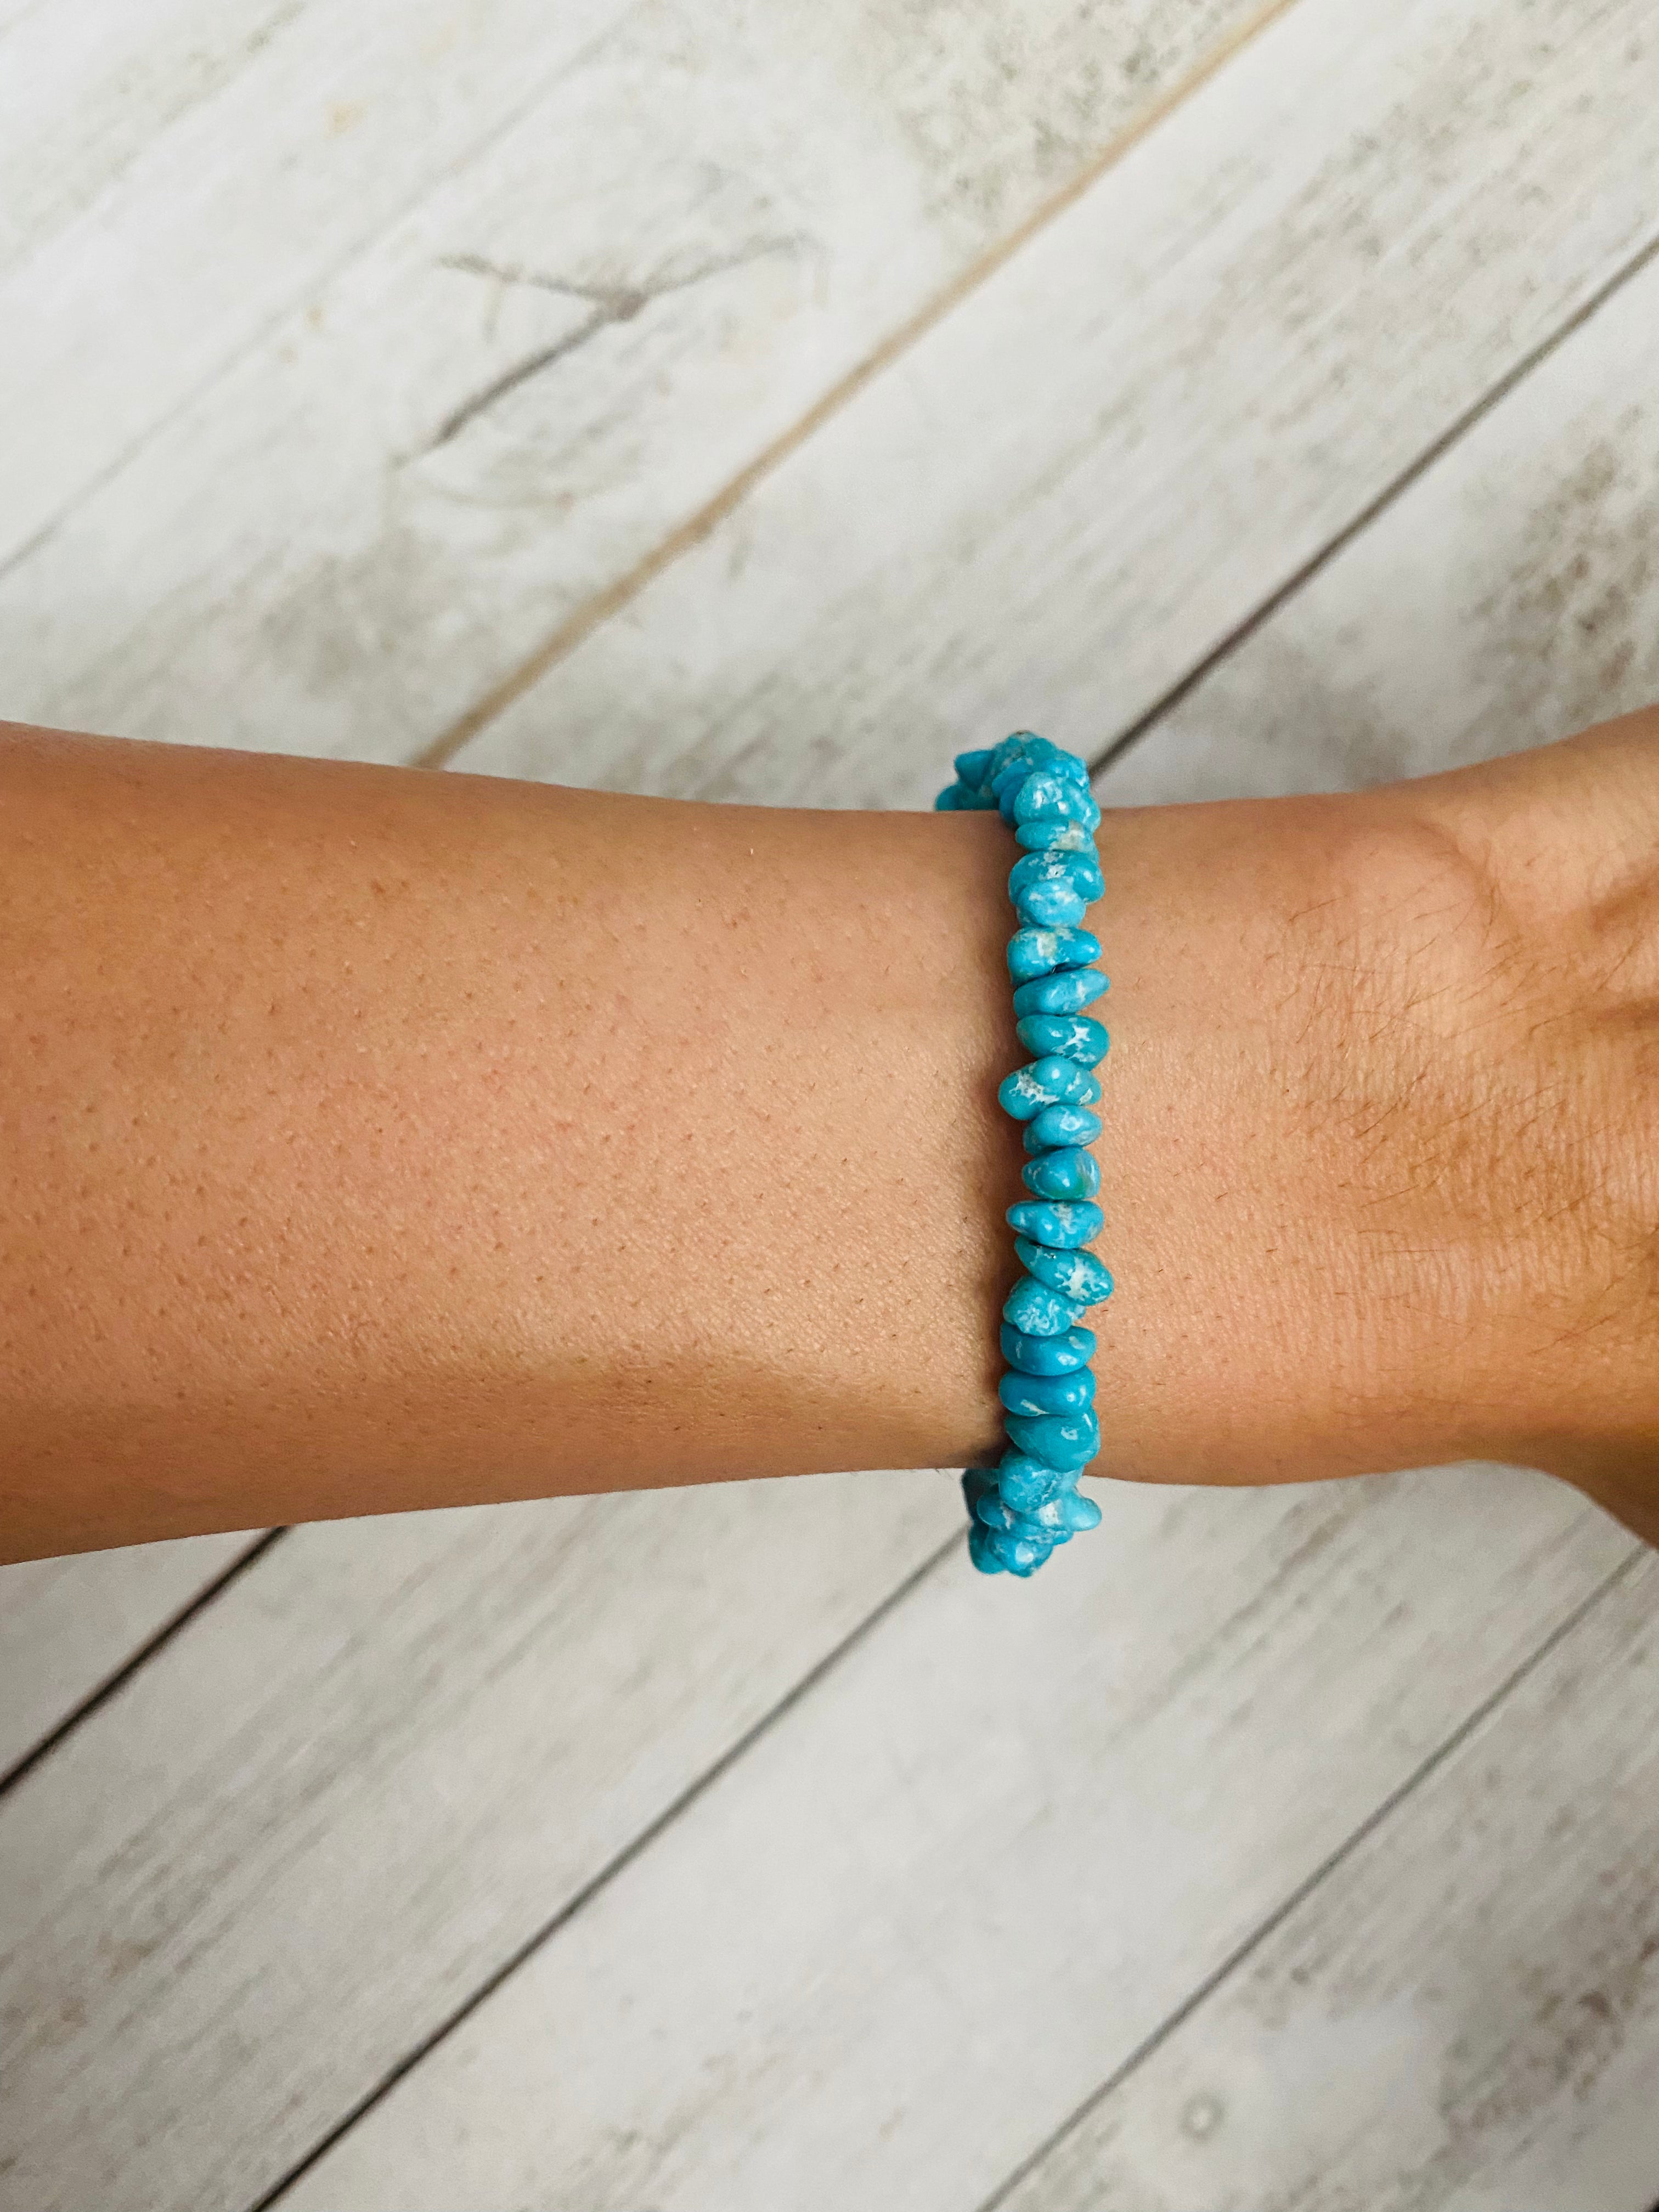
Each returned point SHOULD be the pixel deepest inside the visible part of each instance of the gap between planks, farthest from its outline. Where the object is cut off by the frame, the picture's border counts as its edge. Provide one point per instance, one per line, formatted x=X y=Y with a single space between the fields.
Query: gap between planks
x=1282 y=594
x=1242 y=1953
x=697 y=527
x=158 y=1639
x=615 y=1865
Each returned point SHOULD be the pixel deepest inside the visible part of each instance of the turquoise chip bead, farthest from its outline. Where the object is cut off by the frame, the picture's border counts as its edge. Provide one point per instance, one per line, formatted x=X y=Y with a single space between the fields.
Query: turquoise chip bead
x=1017 y=1553
x=1053 y=837
x=970 y=767
x=1054 y=905
x=1063 y=1037
x=980 y=1551
x=1080 y=870
x=1061 y=1125
x=1049 y=1082
x=949 y=800
x=1040 y=951
x=1068 y=992
x=1061 y=1227
x=1037 y=1309
x=1024 y=1483
x=1076 y=1277
x=1048 y=1393
x=1046 y=797
x=1071 y=1173
x=1048 y=1355
x=1079 y=1513
x=1053 y=759
x=1047 y=1526
x=1065 y=1440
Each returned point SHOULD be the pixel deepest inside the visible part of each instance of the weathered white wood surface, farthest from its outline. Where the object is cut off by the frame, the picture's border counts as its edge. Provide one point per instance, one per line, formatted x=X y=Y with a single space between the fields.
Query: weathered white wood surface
x=1510 y=596
x=893 y=1947
x=296 y=1840
x=702 y=218
x=174 y=179
x=67 y=1625
x=1162 y=409
x=1463 y=2016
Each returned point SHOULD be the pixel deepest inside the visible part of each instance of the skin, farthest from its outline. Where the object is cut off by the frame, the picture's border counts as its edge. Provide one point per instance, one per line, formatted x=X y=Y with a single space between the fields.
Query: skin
x=375 y=1140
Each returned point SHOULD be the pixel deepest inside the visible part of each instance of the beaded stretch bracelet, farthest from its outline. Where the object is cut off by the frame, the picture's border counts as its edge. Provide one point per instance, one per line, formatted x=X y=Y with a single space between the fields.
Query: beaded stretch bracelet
x=1020 y=1510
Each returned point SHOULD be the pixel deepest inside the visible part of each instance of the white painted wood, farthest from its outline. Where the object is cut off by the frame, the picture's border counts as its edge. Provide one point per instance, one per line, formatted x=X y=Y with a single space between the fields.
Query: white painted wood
x=1064 y=496
x=181 y=175
x=748 y=199
x=67 y=1625
x=1463 y=2017
x=887 y=1953
x=321 y=1816
x=1510 y=596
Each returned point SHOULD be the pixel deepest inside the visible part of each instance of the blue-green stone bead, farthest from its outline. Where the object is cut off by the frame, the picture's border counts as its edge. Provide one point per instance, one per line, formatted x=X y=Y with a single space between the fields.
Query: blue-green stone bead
x=1051 y=1082
x=1053 y=837
x=1005 y=787
x=970 y=767
x=1076 y=1277
x=1065 y=1440
x=980 y=1551
x=1046 y=797
x=1051 y=906
x=1069 y=1174
x=1052 y=759
x=1078 y=1513
x=1061 y=1125
x=1024 y=1483
x=1068 y=992
x=1063 y=1037
x=1036 y=1308
x=1047 y=1523
x=977 y=1482
x=1017 y=1553
x=1060 y=1227
x=1080 y=870
x=1040 y=951
x=1048 y=1355
x=1047 y=1526
x=1048 y=1393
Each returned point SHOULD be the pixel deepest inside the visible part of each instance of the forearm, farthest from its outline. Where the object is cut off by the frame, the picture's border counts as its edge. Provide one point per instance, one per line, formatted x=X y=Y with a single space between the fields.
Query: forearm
x=376 y=1139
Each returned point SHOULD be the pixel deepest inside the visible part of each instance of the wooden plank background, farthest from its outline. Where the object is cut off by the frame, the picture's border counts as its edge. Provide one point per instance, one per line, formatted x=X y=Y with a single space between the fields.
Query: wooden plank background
x=761 y=401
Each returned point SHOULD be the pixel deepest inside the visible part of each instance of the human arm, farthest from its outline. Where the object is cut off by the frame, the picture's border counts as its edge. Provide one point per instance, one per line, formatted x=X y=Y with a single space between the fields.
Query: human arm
x=376 y=1139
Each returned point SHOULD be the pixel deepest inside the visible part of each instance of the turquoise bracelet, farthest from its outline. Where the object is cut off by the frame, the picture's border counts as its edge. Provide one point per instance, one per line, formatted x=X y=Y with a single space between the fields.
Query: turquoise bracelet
x=1025 y=1505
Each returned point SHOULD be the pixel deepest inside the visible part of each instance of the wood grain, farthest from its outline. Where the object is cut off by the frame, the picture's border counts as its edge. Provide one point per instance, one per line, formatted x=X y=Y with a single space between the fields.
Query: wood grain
x=182 y=177
x=1162 y=410
x=892 y=1948
x=381 y=1762
x=66 y=1625
x=1463 y=2017
x=398 y=394
x=1511 y=597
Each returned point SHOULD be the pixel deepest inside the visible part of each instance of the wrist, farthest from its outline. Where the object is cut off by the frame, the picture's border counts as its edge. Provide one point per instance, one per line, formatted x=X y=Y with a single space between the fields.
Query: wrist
x=1380 y=1135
